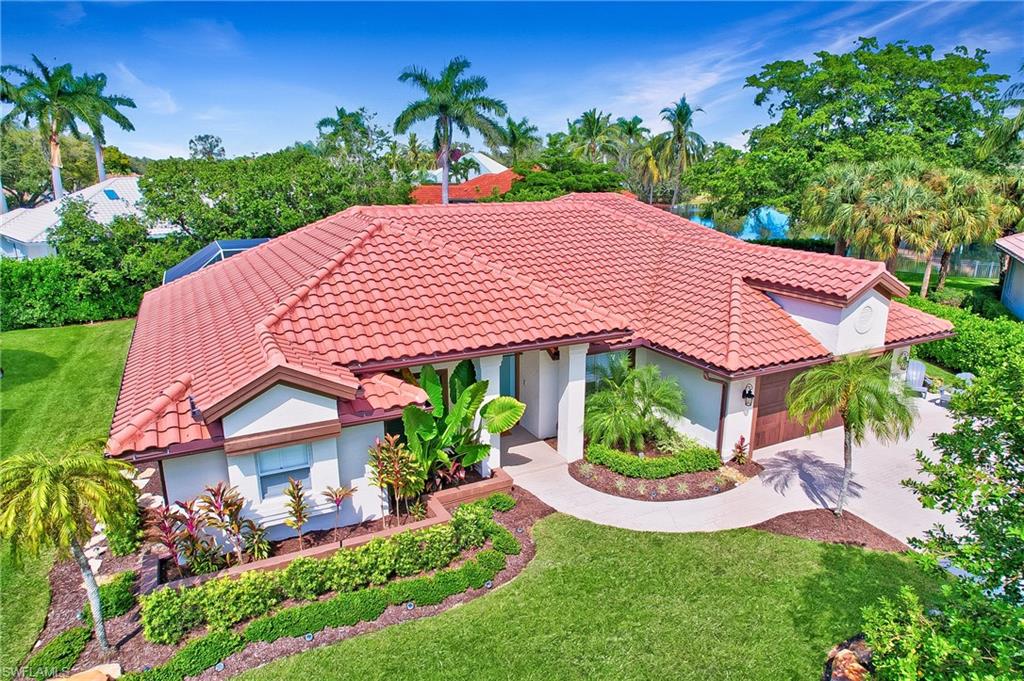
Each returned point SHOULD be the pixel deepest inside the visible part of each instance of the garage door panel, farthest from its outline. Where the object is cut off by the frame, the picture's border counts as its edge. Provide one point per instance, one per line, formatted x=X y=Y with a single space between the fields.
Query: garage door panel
x=773 y=424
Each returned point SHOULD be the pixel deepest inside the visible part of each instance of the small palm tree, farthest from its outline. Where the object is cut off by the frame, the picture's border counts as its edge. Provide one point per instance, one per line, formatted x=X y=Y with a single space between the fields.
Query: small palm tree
x=454 y=101
x=898 y=202
x=99 y=106
x=49 y=501
x=965 y=211
x=687 y=146
x=337 y=497
x=858 y=388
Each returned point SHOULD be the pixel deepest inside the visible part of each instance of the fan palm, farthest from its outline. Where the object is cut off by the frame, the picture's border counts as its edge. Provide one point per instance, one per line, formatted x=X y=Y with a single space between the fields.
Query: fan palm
x=687 y=146
x=99 y=106
x=898 y=202
x=517 y=137
x=858 y=388
x=454 y=101
x=834 y=204
x=55 y=100
x=48 y=501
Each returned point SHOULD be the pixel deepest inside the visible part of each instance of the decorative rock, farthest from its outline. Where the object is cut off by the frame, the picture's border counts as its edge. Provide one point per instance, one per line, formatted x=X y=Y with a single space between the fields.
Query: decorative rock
x=102 y=672
x=849 y=661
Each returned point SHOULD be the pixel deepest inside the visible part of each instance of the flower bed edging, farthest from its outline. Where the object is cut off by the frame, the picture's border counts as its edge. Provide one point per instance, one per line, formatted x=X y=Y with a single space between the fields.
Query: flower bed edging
x=438 y=505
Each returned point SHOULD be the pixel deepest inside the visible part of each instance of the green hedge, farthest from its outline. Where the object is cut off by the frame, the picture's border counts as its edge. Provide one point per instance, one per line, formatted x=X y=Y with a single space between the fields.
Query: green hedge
x=343 y=610
x=169 y=614
x=194 y=658
x=687 y=456
x=59 y=655
x=979 y=343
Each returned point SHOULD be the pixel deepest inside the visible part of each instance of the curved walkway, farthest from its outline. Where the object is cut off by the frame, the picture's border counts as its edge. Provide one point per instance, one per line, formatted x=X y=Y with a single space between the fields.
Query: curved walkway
x=798 y=475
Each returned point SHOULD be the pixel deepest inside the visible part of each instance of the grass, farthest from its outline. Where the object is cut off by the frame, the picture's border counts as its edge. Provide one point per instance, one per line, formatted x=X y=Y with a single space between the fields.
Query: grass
x=601 y=602
x=913 y=280
x=58 y=389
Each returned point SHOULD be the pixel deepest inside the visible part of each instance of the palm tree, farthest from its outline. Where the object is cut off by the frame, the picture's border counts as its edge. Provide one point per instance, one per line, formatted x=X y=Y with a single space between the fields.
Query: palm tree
x=593 y=134
x=49 y=501
x=415 y=153
x=858 y=388
x=632 y=130
x=455 y=102
x=54 y=99
x=834 y=204
x=99 y=106
x=344 y=128
x=517 y=137
x=898 y=201
x=687 y=145
x=648 y=159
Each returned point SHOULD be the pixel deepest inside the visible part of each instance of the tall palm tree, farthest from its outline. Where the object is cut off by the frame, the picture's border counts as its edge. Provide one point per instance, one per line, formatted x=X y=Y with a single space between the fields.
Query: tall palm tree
x=858 y=388
x=454 y=101
x=687 y=145
x=593 y=135
x=649 y=161
x=834 y=204
x=98 y=106
x=54 y=99
x=630 y=135
x=48 y=502
x=517 y=137
x=344 y=127
x=898 y=202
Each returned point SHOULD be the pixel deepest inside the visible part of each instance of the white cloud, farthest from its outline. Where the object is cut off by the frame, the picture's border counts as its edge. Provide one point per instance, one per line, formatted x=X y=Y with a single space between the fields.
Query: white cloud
x=737 y=140
x=199 y=36
x=69 y=14
x=214 y=113
x=149 y=97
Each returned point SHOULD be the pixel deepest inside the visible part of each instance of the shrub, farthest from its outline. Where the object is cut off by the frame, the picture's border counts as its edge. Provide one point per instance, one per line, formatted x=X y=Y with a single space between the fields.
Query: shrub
x=500 y=501
x=474 y=574
x=953 y=297
x=169 y=614
x=304 y=578
x=491 y=562
x=439 y=546
x=194 y=658
x=59 y=655
x=686 y=459
x=376 y=561
x=341 y=611
x=979 y=343
x=227 y=601
x=469 y=521
x=125 y=534
x=116 y=596
x=504 y=541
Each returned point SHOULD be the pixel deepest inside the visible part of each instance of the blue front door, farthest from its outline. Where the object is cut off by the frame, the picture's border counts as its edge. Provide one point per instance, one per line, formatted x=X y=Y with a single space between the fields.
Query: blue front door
x=508 y=375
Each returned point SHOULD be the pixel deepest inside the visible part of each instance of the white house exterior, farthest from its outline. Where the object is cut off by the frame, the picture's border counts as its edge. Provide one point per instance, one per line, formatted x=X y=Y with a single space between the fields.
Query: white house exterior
x=1013 y=281
x=287 y=359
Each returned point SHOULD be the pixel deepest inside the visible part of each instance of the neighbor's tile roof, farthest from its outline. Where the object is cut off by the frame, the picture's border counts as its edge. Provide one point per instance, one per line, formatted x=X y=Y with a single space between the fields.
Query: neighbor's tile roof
x=385 y=283
x=909 y=324
x=479 y=187
x=1012 y=245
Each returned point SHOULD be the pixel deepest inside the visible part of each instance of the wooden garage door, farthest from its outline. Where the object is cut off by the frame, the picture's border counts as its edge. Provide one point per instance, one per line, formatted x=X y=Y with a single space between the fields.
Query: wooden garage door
x=773 y=424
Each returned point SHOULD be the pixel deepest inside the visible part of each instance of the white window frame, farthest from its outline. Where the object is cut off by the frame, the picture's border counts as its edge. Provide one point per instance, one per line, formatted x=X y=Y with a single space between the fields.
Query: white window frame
x=308 y=467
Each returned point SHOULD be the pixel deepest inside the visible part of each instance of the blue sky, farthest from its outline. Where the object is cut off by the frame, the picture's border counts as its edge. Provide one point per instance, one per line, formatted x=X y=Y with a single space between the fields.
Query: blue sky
x=260 y=75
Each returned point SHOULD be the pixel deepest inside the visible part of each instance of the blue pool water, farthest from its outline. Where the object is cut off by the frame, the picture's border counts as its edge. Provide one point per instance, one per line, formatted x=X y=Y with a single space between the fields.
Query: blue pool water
x=762 y=223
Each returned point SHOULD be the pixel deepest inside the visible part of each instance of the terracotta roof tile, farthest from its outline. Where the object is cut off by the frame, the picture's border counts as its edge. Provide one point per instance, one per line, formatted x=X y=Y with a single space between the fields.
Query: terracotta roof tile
x=909 y=324
x=479 y=187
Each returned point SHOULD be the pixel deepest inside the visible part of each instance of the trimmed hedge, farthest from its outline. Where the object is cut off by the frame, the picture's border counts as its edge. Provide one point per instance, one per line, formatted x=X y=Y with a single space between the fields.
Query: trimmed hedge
x=979 y=343
x=59 y=655
x=194 y=658
x=169 y=614
x=687 y=457
x=343 y=610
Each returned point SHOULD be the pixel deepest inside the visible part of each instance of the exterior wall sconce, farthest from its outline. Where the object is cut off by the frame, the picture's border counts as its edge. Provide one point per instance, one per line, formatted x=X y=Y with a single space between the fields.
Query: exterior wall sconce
x=748 y=395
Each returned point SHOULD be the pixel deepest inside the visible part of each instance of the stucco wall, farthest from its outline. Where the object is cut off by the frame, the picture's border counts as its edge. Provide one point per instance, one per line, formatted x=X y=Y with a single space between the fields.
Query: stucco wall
x=1013 y=289
x=280 y=406
x=187 y=476
x=858 y=326
x=703 y=397
x=538 y=390
x=739 y=418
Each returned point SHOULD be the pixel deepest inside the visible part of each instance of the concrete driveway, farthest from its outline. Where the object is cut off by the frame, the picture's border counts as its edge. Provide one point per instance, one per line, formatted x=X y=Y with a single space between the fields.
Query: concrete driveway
x=798 y=475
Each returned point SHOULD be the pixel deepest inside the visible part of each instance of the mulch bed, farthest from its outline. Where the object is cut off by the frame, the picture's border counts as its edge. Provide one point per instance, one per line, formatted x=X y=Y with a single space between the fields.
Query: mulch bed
x=135 y=653
x=822 y=525
x=675 y=488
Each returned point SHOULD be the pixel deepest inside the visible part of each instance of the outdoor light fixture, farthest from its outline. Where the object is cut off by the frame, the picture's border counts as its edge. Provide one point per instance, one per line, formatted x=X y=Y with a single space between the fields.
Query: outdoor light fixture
x=748 y=394
x=308 y=637
x=519 y=530
x=410 y=605
x=488 y=584
x=219 y=666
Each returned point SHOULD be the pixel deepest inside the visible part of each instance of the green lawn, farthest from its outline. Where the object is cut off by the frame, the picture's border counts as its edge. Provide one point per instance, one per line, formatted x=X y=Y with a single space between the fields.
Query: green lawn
x=600 y=602
x=913 y=280
x=58 y=388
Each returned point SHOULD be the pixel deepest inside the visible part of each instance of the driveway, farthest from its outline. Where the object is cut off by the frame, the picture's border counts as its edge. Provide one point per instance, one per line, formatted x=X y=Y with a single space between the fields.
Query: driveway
x=798 y=475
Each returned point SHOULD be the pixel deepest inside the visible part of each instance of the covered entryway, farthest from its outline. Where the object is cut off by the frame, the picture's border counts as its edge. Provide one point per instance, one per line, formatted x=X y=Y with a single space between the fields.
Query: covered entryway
x=772 y=424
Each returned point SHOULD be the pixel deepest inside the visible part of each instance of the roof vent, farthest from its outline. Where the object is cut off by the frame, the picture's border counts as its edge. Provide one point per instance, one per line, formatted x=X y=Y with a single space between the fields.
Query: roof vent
x=197 y=413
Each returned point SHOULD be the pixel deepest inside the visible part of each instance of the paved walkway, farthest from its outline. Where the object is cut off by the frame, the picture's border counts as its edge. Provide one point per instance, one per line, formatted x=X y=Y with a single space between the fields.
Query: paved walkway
x=800 y=474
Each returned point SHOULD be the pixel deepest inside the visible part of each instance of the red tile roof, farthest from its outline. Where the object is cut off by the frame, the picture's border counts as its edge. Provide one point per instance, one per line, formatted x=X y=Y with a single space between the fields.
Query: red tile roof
x=907 y=324
x=479 y=187
x=363 y=290
x=1012 y=245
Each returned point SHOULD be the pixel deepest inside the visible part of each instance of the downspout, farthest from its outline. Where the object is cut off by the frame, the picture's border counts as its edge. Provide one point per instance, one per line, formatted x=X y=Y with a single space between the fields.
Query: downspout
x=722 y=409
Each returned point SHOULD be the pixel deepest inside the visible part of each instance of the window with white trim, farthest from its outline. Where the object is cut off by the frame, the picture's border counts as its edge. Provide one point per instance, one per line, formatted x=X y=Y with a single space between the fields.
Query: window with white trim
x=276 y=466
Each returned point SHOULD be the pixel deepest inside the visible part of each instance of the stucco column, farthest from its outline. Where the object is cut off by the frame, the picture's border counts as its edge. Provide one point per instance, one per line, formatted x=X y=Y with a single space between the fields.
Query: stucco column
x=490 y=371
x=572 y=385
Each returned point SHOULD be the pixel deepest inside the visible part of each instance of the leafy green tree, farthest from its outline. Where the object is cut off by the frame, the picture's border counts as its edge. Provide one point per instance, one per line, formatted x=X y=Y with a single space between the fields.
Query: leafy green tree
x=835 y=204
x=55 y=100
x=118 y=162
x=515 y=140
x=99 y=106
x=453 y=101
x=206 y=147
x=50 y=501
x=630 y=405
x=557 y=172
x=686 y=145
x=859 y=389
x=963 y=212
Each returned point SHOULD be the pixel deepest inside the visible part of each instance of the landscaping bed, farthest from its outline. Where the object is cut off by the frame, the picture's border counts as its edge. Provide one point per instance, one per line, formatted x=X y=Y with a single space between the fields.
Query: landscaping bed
x=823 y=525
x=673 y=488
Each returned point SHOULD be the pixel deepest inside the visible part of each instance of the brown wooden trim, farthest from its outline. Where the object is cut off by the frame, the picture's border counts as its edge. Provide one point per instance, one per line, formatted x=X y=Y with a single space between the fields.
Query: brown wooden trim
x=753 y=419
x=292 y=435
x=278 y=374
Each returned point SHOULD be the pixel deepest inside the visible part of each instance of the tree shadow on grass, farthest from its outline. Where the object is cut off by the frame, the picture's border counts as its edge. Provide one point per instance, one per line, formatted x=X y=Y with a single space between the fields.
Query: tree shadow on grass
x=24 y=366
x=820 y=480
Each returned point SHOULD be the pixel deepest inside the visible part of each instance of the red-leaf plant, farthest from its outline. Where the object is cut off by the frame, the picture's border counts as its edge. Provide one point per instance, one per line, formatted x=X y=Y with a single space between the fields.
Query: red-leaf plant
x=164 y=529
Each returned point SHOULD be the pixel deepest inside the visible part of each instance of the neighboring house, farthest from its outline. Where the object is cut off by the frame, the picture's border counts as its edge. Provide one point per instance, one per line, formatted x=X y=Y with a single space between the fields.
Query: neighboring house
x=210 y=254
x=24 y=232
x=468 y=192
x=1013 y=282
x=488 y=166
x=285 y=360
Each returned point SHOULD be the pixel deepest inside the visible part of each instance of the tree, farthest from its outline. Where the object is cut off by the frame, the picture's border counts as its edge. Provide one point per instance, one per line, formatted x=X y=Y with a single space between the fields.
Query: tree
x=859 y=389
x=648 y=162
x=593 y=135
x=898 y=202
x=557 y=172
x=337 y=497
x=835 y=204
x=454 y=101
x=963 y=212
x=344 y=126
x=97 y=106
x=50 y=502
x=461 y=168
x=25 y=171
x=118 y=162
x=516 y=139
x=55 y=100
x=206 y=147
x=416 y=154
x=686 y=145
